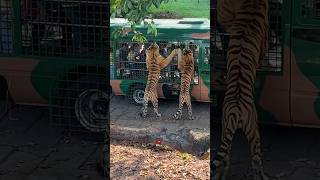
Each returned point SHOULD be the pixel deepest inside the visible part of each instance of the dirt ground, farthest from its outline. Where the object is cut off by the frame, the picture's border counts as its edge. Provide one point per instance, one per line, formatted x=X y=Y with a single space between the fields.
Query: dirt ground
x=32 y=149
x=142 y=161
x=288 y=153
x=130 y=160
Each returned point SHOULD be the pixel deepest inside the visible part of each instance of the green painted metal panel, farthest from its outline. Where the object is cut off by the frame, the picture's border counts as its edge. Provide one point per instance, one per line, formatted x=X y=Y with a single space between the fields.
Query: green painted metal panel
x=51 y=70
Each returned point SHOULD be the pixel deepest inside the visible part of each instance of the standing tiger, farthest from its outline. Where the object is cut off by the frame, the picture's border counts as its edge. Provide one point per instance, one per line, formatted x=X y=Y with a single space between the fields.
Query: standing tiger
x=186 y=67
x=247 y=23
x=155 y=62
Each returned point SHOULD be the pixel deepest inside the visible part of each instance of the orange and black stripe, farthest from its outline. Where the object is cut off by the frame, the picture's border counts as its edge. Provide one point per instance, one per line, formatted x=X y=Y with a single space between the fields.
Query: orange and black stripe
x=247 y=23
x=155 y=62
x=186 y=67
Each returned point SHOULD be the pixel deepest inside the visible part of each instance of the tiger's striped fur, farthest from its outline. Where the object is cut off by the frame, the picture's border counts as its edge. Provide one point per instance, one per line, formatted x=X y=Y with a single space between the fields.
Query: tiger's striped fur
x=186 y=67
x=155 y=62
x=247 y=23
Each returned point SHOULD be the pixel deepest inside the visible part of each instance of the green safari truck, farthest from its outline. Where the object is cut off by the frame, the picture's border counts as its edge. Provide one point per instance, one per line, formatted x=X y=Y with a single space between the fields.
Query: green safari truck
x=53 y=53
x=287 y=89
x=128 y=76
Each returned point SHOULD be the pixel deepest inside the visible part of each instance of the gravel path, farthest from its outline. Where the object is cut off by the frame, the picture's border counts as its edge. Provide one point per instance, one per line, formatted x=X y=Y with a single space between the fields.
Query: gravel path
x=143 y=161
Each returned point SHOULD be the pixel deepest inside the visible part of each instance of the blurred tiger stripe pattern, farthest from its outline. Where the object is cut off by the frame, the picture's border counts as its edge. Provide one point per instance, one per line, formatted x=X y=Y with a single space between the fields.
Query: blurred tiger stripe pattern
x=186 y=68
x=247 y=23
x=155 y=62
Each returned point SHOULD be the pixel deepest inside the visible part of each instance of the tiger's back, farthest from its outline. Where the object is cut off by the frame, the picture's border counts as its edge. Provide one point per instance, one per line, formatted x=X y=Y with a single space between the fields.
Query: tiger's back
x=155 y=62
x=187 y=75
x=186 y=67
x=247 y=23
x=153 y=75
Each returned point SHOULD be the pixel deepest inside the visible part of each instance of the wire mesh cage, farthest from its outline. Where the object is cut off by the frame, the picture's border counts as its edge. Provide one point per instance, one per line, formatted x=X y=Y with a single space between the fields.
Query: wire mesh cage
x=273 y=58
x=310 y=9
x=272 y=61
x=75 y=28
x=129 y=63
x=80 y=100
x=6 y=27
x=72 y=36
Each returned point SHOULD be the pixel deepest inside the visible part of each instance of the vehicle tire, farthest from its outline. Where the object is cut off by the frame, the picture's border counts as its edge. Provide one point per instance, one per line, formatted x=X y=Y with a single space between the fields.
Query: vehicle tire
x=89 y=108
x=136 y=94
x=168 y=93
x=85 y=107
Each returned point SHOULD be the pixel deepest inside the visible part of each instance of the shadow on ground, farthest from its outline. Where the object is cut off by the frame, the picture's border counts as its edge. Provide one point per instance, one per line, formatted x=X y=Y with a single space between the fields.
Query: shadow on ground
x=31 y=149
x=288 y=153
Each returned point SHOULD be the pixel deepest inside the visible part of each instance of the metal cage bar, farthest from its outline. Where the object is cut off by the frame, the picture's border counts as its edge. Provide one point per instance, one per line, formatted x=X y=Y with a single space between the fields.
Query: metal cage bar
x=129 y=61
x=273 y=58
x=311 y=9
x=6 y=27
x=79 y=100
x=64 y=28
x=75 y=32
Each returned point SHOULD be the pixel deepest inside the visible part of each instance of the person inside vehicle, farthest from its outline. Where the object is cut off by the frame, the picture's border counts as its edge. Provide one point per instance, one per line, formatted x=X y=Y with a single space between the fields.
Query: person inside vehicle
x=6 y=45
x=123 y=53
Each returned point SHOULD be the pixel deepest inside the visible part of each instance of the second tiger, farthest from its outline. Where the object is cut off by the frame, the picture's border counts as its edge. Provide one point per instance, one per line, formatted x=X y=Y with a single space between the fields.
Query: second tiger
x=186 y=68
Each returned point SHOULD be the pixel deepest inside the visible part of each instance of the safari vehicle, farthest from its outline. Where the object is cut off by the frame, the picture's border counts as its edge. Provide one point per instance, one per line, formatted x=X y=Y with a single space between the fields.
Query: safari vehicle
x=53 y=53
x=287 y=89
x=128 y=76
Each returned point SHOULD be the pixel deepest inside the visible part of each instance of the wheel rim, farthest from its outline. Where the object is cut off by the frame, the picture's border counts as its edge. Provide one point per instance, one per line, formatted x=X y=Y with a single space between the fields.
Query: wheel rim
x=91 y=110
x=138 y=96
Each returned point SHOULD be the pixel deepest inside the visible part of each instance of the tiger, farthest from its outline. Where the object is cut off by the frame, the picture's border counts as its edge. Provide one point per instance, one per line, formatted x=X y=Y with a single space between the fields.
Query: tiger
x=155 y=63
x=247 y=23
x=186 y=68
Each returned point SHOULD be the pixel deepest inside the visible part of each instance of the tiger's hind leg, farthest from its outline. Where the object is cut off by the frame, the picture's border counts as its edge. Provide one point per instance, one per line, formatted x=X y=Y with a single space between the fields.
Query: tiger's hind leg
x=145 y=105
x=222 y=161
x=189 y=108
x=253 y=137
x=178 y=114
x=154 y=101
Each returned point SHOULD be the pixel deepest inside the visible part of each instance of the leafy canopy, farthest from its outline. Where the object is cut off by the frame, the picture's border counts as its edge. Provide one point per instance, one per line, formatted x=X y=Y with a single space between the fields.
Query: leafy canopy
x=135 y=11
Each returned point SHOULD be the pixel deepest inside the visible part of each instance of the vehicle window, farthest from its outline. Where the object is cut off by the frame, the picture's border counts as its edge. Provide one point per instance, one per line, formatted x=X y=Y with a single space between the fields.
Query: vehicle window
x=310 y=9
x=64 y=28
x=207 y=55
x=111 y=63
x=316 y=8
x=130 y=60
x=272 y=62
x=273 y=58
x=6 y=27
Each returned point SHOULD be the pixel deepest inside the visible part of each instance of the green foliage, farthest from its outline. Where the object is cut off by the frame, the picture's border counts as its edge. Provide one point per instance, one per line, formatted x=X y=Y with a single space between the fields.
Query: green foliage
x=135 y=11
x=183 y=8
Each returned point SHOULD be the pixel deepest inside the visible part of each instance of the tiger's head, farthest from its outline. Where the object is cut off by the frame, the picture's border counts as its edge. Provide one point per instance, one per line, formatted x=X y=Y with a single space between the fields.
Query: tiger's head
x=152 y=50
x=187 y=56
